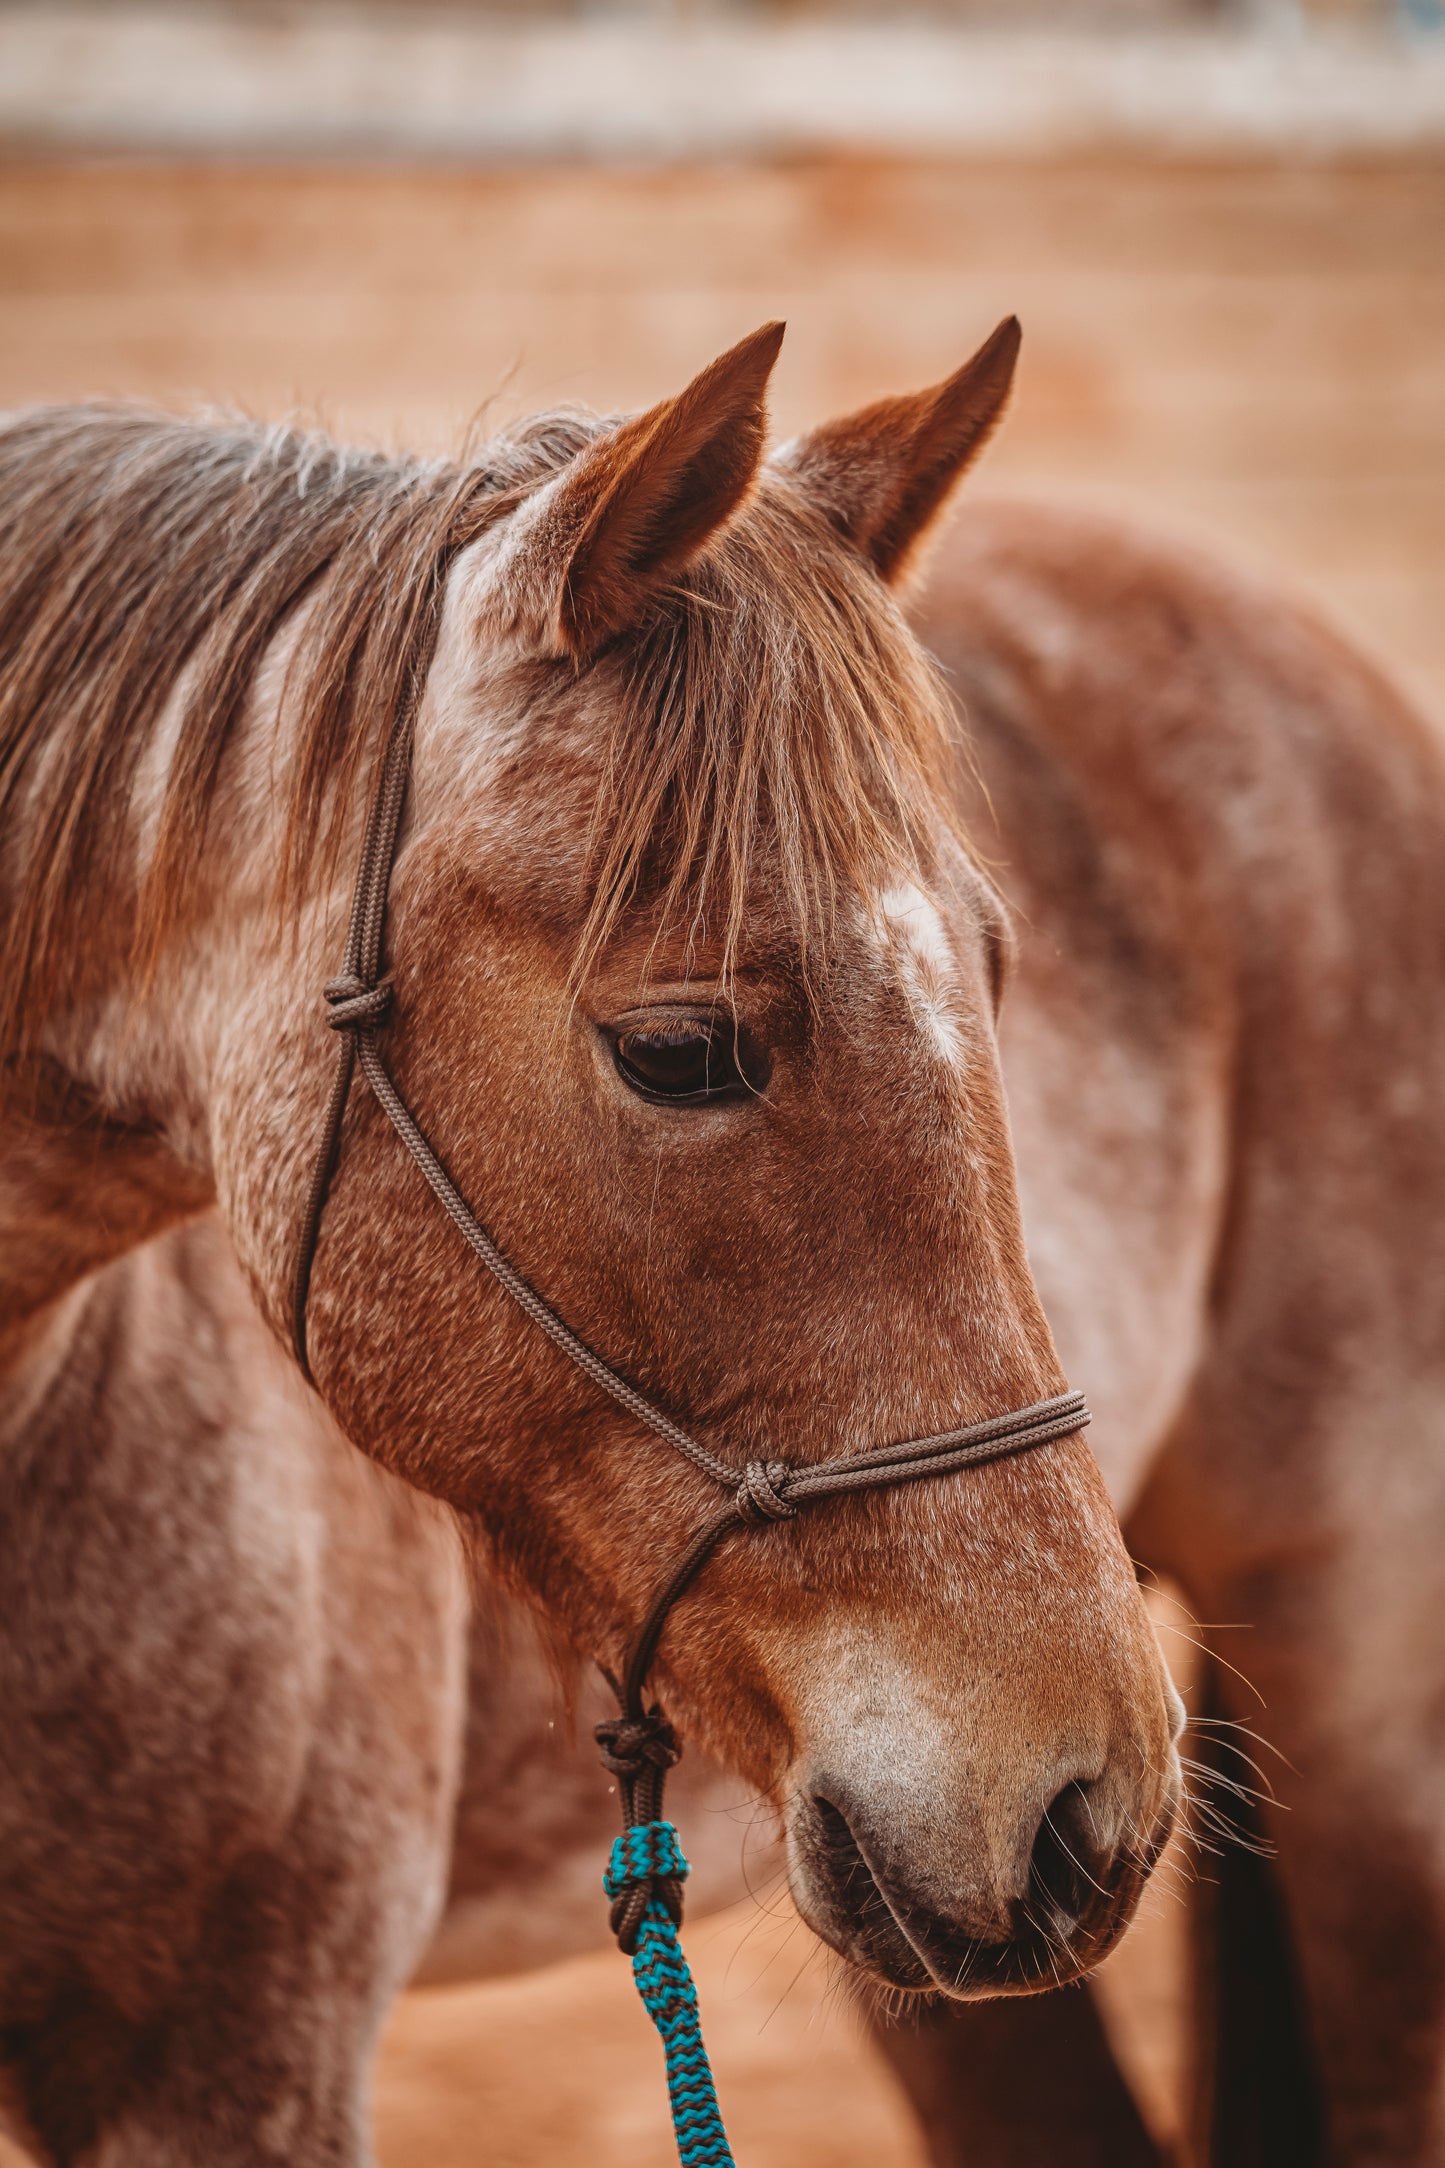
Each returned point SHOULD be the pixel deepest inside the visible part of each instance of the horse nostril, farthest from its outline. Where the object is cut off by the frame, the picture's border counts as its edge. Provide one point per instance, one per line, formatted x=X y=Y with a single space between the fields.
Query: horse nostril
x=839 y=1846
x=1063 y=1872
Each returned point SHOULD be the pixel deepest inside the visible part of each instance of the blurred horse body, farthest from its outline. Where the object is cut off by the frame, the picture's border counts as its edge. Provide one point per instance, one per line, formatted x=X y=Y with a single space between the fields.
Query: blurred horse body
x=232 y=1674
x=1221 y=835
x=259 y=1712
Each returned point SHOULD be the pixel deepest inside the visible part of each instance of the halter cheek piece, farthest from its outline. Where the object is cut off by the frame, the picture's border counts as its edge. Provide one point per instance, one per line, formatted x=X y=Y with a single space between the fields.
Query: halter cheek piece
x=638 y=1746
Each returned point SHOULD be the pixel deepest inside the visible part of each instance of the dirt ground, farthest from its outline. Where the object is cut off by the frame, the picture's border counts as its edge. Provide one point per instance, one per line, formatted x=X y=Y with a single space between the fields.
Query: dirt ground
x=474 y=2075
x=1256 y=353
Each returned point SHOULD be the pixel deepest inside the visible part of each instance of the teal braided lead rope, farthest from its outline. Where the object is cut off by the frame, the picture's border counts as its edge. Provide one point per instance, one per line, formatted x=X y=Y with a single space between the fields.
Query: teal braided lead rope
x=650 y=1854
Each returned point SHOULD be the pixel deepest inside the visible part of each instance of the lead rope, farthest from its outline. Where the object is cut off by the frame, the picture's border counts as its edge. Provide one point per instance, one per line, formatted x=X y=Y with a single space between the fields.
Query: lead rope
x=650 y=1856
x=638 y=1746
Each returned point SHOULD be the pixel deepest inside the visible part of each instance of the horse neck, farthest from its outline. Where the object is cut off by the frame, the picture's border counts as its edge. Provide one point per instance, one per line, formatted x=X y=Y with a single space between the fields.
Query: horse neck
x=106 y=1135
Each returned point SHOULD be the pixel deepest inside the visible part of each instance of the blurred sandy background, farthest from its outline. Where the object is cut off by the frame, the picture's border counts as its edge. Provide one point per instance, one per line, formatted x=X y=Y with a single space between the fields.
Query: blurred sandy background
x=1241 y=332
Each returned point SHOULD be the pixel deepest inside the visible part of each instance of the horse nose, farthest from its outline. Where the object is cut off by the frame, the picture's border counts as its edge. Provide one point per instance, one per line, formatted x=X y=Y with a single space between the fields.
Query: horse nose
x=1040 y=1911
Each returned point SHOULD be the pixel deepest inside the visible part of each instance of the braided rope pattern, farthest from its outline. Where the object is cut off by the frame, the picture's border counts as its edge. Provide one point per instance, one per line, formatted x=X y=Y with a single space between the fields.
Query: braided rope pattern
x=645 y=1856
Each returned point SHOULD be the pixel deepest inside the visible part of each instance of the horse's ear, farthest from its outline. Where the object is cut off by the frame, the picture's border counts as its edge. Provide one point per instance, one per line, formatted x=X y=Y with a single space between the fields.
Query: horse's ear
x=638 y=503
x=883 y=475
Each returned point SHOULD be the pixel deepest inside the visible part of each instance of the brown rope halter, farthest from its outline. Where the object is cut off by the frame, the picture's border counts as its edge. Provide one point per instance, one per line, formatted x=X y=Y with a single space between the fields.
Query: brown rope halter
x=638 y=1745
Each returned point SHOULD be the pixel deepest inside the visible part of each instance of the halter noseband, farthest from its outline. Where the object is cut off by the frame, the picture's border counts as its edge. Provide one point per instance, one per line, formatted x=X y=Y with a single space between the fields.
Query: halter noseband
x=638 y=1745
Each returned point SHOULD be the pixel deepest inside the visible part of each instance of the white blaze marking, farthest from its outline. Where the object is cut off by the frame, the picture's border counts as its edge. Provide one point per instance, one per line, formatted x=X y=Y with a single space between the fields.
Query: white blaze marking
x=915 y=935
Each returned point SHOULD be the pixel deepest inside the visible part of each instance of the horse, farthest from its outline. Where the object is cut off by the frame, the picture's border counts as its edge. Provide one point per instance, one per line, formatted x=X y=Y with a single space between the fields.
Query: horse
x=675 y=880
x=674 y=723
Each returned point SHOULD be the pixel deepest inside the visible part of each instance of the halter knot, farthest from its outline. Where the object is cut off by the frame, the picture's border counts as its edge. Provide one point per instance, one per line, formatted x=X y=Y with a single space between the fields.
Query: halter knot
x=631 y=1744
x=355 y=1006
x=758 y=1496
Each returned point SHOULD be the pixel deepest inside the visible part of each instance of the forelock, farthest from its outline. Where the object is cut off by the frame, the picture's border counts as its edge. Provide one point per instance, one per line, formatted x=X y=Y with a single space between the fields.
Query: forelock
x=778 y=724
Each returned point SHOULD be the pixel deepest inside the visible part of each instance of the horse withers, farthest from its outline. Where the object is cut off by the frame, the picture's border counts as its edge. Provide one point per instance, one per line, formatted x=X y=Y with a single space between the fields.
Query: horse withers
x=695 y=985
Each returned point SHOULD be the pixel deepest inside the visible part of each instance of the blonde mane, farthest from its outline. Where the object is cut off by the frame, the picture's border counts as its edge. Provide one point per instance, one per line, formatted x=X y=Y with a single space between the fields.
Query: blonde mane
x=762 y=701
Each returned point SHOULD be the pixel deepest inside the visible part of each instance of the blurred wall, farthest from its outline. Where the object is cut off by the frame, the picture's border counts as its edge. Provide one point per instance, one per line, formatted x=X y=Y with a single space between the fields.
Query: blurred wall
x=1253 y=349
x=690 y=78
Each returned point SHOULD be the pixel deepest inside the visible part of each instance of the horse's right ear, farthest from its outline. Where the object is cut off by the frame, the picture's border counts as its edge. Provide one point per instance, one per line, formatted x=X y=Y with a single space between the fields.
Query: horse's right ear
x=586 y=555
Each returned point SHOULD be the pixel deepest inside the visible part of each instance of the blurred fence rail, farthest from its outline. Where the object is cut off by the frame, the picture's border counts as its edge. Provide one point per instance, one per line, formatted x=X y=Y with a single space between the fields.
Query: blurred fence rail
x=669 y=81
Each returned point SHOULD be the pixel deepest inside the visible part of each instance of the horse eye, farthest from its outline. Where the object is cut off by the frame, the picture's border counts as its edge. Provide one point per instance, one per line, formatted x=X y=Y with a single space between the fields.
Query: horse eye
x=689 y=1060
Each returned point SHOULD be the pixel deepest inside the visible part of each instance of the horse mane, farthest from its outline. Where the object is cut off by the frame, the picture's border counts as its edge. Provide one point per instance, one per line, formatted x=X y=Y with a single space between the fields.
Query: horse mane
x=148 y=560
x=779 y=724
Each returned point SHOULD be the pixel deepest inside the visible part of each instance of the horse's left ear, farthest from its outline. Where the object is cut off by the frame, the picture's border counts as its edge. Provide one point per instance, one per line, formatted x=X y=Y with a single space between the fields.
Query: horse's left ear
x=883 y=475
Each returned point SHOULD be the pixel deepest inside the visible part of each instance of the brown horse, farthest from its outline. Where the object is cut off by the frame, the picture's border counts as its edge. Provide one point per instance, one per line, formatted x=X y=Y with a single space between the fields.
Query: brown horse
x=697 y=986
x=699 y=997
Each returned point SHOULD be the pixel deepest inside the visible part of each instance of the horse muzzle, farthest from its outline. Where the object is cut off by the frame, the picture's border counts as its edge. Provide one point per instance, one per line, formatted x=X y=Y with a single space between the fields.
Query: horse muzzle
x=1039 y=1916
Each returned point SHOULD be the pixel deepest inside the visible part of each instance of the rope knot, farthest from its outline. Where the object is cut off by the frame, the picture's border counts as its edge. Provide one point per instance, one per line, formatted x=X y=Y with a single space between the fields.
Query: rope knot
x=644 y=1879
x=355 y=1006
x=758 y=1496
x=652 y=1852
x=631 y=1744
